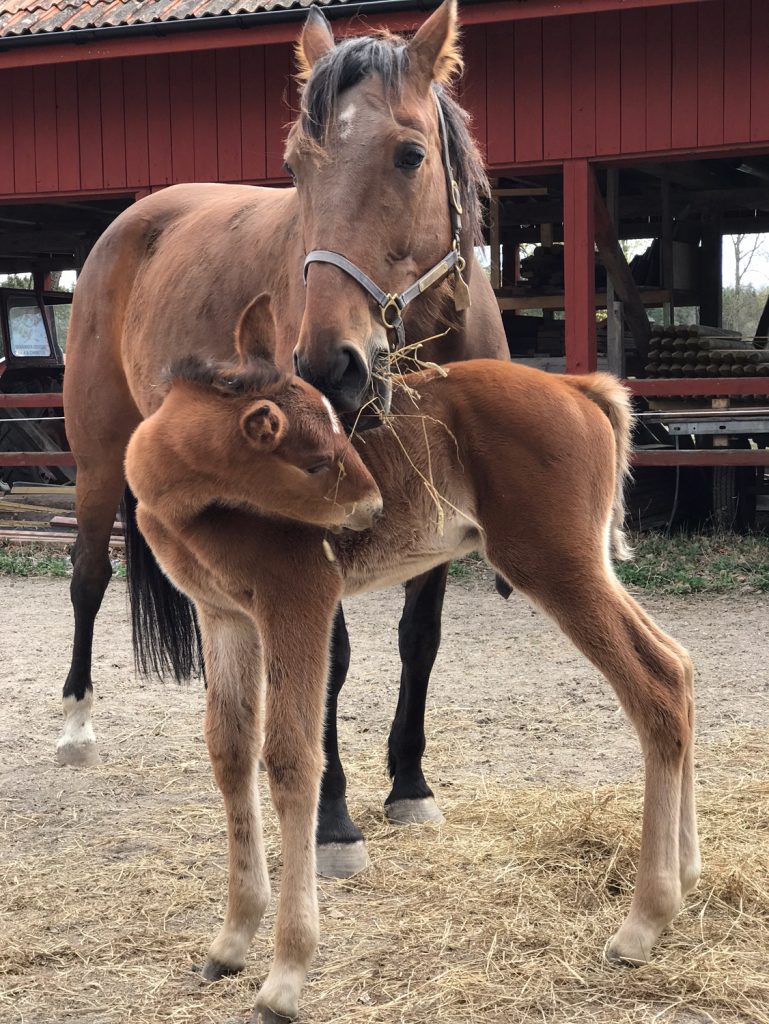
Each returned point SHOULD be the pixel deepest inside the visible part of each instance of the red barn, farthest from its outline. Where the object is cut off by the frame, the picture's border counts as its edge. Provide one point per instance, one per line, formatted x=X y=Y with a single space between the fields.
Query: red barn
x=660 y=106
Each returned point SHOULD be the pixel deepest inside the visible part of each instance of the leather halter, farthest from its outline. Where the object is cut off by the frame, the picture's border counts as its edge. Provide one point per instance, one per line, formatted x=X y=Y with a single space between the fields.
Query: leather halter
x=391 y=305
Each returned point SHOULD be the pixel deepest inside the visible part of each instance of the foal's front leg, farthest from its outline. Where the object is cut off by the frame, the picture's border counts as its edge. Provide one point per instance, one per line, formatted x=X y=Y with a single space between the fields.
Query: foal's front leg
x=233 y=711
x=296 y=640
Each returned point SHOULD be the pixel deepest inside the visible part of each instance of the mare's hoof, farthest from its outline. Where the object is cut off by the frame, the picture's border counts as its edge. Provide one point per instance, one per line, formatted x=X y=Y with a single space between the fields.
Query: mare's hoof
x=414 y=812
x=341 y=860
x=213 y=970
x=77 y=755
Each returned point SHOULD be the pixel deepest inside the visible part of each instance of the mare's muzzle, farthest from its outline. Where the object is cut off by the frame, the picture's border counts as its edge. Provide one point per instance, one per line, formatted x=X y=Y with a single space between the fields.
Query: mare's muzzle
x=360 y=393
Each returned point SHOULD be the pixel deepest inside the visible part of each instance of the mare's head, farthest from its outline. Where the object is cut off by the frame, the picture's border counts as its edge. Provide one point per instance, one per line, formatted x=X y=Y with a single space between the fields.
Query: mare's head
x=267 y=439
x=367 y=162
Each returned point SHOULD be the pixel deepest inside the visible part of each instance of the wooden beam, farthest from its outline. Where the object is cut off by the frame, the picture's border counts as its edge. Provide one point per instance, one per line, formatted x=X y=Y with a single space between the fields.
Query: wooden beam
x=687 y=387
x=579 y=190
x=702 y=457
x=615 y=329
x=15 y=459
x=617 y=267
x=41 y=400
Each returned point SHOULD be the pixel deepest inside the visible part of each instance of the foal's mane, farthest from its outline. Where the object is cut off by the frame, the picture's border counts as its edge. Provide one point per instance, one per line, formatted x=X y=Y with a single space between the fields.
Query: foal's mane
x=386 y=55
x=229 y=378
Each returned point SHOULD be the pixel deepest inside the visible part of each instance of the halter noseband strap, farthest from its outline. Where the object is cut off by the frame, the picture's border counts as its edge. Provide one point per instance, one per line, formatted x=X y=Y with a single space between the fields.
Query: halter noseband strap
x=391 y=305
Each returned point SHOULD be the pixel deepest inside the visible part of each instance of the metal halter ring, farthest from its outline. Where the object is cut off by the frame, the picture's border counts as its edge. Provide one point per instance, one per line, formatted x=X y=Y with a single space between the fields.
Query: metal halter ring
x=391 y=303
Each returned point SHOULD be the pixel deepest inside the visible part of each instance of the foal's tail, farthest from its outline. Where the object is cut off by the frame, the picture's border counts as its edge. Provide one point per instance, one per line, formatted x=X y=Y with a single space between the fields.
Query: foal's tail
x=614 y=400
x=166 y=638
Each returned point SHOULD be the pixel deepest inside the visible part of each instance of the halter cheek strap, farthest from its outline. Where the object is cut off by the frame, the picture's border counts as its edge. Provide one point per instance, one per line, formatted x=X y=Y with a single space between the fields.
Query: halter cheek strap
x=391 y=305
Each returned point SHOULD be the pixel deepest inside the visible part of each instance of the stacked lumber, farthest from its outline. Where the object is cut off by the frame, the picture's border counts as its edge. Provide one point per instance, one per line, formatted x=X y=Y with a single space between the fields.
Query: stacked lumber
x=698 y=351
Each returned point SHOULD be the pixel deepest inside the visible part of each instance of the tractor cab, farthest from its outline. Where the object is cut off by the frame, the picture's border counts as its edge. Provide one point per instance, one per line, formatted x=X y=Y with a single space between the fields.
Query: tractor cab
x=33 y=335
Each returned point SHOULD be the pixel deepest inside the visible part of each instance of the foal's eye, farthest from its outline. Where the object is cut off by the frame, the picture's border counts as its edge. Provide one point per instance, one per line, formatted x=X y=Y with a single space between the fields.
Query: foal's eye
x=409 y=156
x=318 y=467
x=289 y=171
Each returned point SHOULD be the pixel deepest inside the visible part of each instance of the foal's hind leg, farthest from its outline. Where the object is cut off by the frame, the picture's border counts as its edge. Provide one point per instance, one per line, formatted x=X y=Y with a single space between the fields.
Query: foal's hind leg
x=652 y=677
x=100 y=485
x=233 y=722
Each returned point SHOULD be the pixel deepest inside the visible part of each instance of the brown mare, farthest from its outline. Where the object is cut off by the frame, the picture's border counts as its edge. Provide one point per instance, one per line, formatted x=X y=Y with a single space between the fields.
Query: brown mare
x=235 y=453
x=171 y=275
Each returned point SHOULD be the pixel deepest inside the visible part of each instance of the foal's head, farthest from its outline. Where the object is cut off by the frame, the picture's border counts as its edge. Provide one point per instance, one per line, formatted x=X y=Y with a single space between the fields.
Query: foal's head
x=265 y=438
x=366 y=159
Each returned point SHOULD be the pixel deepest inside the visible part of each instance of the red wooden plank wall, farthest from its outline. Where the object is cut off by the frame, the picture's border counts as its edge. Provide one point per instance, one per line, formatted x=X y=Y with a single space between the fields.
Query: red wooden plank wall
x=622 y=83
x=144 y=122
x=539 y=91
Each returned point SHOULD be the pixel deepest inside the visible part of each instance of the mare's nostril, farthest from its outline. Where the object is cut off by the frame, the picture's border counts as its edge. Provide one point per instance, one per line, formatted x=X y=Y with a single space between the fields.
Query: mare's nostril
x=350 y=372
x=296 y=363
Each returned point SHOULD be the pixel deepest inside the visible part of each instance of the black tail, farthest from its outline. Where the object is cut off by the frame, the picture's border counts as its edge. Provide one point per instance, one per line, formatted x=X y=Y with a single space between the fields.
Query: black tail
x=166 y=638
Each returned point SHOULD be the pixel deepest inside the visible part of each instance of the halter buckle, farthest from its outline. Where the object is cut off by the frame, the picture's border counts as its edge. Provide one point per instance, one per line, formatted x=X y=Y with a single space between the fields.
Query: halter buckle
x=390 y=304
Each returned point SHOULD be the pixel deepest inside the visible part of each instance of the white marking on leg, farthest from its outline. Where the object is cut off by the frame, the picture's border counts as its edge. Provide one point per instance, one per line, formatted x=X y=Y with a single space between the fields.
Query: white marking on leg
x=77 y=743
x=335 y=425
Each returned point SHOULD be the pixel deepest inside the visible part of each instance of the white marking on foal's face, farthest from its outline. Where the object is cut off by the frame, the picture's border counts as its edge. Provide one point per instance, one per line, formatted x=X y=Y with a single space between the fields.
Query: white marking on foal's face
x=332 y=415
x=346 y=119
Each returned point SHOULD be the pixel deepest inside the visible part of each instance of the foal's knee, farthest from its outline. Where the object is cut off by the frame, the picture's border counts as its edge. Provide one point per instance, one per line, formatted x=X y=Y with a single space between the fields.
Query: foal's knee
x=294 y=774
x=668 y=718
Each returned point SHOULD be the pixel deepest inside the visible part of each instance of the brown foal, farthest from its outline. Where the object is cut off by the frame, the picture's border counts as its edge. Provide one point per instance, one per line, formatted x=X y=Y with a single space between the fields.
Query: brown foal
x=238 y=473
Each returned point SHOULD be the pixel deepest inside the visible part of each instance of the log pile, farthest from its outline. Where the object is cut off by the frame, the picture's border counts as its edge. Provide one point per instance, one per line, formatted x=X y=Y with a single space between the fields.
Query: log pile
x=698 y=351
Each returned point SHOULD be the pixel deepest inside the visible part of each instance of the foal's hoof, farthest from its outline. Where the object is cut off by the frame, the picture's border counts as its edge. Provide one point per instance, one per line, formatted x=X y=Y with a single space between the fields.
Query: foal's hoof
x=77 y=755
x=414 y=812
x=341 y=860
x=264 y=1015
x=623 y=952
x=213 y=970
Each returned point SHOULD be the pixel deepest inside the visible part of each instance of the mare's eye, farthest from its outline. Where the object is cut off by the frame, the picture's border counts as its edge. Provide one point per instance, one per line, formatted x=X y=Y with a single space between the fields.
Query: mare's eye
x=409 y=156
x=289 y=171
x=318 y=467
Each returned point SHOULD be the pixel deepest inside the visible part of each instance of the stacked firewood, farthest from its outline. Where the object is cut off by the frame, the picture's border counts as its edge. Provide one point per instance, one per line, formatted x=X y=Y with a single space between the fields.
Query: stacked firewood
x=698 y=351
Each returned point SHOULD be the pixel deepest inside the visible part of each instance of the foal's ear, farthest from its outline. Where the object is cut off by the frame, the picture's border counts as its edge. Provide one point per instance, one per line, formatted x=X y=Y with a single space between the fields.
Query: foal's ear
x=433 y=52
x=263 y=425
x=316 y=40
x=255 y=335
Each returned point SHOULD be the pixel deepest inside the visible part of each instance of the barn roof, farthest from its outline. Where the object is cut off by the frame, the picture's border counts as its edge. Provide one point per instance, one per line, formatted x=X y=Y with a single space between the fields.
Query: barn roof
x=46 y=19
x=30 y=17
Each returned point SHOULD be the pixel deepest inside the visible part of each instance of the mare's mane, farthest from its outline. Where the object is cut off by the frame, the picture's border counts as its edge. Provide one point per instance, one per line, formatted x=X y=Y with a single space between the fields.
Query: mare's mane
x=386 y=55
x=229 y=378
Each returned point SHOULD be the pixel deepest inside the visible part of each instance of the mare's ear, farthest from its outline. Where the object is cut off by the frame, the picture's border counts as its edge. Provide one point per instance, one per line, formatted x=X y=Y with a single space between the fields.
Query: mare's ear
x=315 y=41
x=255 y=335
x=263 y=425
x=433 y=52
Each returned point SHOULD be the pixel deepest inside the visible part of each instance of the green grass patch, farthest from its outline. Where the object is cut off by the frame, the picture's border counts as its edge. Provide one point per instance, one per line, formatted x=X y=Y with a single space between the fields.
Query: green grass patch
x=42 y=560
x=698 y=563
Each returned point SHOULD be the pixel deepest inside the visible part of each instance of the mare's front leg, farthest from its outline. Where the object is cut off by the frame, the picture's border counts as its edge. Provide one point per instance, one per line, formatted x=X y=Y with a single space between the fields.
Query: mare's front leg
x=233 y=734
x=341 y=848
x=419 y=635
x=296 y=639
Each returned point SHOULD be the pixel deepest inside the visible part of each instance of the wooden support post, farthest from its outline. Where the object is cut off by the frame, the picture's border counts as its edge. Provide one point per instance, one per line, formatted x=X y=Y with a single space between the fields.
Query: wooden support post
x=617 y=268
x=666 y=253
x=615 y=329
x=579 y=191
x=711 y=280
x=496 y=275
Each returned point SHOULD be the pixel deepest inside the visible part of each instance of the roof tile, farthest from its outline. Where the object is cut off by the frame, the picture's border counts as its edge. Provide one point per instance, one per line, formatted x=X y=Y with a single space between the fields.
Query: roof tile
x=30 y=17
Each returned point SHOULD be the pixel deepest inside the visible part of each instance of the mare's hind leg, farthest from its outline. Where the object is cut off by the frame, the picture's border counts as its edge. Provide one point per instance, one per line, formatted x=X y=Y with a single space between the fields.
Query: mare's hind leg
x=652 y=677
x=99 y=489
x=341 y=848
x=233 y=663
x=411 y=800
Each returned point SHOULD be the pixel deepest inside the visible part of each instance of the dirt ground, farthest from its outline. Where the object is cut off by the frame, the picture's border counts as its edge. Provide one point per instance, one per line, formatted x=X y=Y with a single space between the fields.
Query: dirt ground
x=514 y=702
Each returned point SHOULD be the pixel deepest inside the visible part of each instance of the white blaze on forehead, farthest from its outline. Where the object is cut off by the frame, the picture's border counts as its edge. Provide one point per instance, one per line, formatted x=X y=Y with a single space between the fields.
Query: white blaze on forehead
x=346 y=119
x=332 y=415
